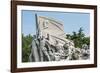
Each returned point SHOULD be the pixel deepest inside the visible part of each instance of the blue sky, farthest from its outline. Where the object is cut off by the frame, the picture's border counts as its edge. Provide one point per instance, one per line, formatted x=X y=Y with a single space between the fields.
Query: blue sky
x=72 y=21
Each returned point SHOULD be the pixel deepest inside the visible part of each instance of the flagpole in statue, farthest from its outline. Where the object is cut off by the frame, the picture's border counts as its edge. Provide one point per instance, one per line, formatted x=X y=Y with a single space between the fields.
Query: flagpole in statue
x=39 y=37
x=34 y=43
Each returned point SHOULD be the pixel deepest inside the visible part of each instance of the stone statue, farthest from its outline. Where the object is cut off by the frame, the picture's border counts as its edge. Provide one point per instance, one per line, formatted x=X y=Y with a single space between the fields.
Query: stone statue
x=50 y=44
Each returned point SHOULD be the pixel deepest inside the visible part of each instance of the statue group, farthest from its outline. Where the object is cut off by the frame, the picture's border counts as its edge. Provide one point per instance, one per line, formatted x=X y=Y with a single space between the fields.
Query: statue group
x=50 y=44
x=42 y=50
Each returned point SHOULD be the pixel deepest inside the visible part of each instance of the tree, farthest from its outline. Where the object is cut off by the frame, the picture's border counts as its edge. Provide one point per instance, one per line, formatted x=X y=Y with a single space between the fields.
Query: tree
x=68 y=36
x=74 y=37
x=79 y=38
x=81 y=35
x=26 y=49
x=86 y=40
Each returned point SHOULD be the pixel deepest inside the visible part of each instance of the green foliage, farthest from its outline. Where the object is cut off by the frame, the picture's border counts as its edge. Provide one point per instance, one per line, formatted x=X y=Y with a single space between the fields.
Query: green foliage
x=79 y=38
x=86 y=40
x=26 y=47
